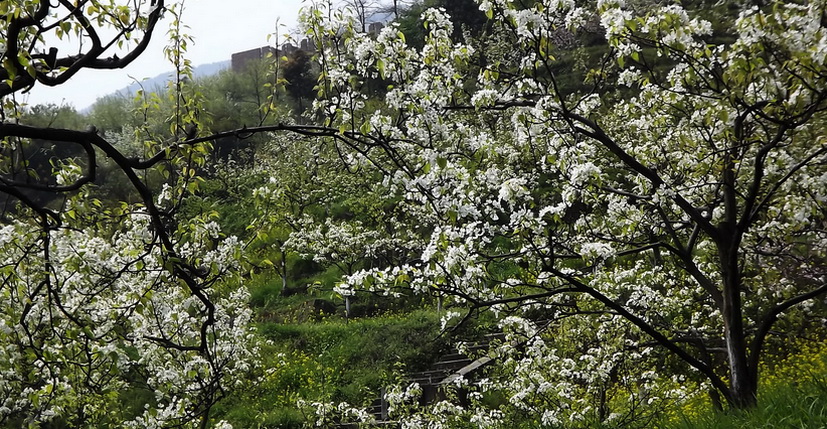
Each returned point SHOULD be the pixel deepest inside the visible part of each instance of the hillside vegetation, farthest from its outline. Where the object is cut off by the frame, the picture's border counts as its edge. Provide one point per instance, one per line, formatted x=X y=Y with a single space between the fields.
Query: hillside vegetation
x=614 y=212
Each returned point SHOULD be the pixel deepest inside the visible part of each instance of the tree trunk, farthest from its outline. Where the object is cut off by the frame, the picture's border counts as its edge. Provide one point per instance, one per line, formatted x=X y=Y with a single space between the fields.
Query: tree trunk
x=742 y=388
x=283 y=273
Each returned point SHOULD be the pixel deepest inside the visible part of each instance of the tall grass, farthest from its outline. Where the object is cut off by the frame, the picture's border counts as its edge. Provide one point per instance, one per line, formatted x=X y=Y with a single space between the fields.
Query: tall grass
x=792 y=394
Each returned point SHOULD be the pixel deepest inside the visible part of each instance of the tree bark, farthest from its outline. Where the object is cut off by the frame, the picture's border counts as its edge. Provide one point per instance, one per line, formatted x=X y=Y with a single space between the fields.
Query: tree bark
x=742 y=385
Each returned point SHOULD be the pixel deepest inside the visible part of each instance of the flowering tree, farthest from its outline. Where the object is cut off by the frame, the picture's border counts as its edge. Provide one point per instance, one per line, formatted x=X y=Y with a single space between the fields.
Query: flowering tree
x=326 y=205
x=670 y=222
x=676 y=208
x=113 y=314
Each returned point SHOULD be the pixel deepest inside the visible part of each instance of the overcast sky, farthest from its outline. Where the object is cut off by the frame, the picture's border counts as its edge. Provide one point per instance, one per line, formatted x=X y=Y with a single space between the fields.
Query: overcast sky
x=219 y=27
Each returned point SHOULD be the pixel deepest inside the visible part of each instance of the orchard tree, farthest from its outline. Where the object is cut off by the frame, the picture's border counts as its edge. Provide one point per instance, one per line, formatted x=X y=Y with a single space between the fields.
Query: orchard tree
x=329 y=208
x=121 y=314
x=673 y=222
x=676 y=209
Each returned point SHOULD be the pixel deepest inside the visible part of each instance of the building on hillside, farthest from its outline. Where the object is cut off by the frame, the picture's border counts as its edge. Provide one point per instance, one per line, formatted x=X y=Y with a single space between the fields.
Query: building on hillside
x=375 y=27
x=288 y=49
x=307 y=45
x=239 y=60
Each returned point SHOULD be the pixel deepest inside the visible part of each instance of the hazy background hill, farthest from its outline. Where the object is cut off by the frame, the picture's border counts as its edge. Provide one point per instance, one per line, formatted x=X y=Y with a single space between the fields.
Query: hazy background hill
x=157 y=82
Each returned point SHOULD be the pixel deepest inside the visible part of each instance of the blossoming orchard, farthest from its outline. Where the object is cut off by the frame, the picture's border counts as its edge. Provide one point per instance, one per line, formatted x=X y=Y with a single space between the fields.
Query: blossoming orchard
x=633 y=195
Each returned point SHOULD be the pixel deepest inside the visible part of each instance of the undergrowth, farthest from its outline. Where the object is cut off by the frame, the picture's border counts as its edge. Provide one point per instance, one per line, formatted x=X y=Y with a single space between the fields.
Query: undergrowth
x=792 y=394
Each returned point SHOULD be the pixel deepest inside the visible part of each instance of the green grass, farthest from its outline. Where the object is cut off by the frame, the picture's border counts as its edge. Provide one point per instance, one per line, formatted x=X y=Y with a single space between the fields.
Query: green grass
x=364 y=347
x=794 y=405
x=792 y=394
x=330 y=360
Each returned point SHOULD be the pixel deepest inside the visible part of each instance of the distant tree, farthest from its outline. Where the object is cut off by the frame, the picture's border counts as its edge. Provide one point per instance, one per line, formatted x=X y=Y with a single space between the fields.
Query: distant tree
x=397 y=7
x=112 y=113
x=465 y=14
x=248 y=98
x=300 y=78
x=363 y=10
x=52 y=116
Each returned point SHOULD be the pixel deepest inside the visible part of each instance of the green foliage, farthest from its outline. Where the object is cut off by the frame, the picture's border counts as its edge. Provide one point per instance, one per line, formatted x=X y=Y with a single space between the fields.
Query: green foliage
x=264 y=290
x=226 y=190
x=53 y=116
x=113 y=113
x=800 y=404
x=316 y=213
x=251 y=97
x=332 y=360
x=465 y=14
x=301 y=79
